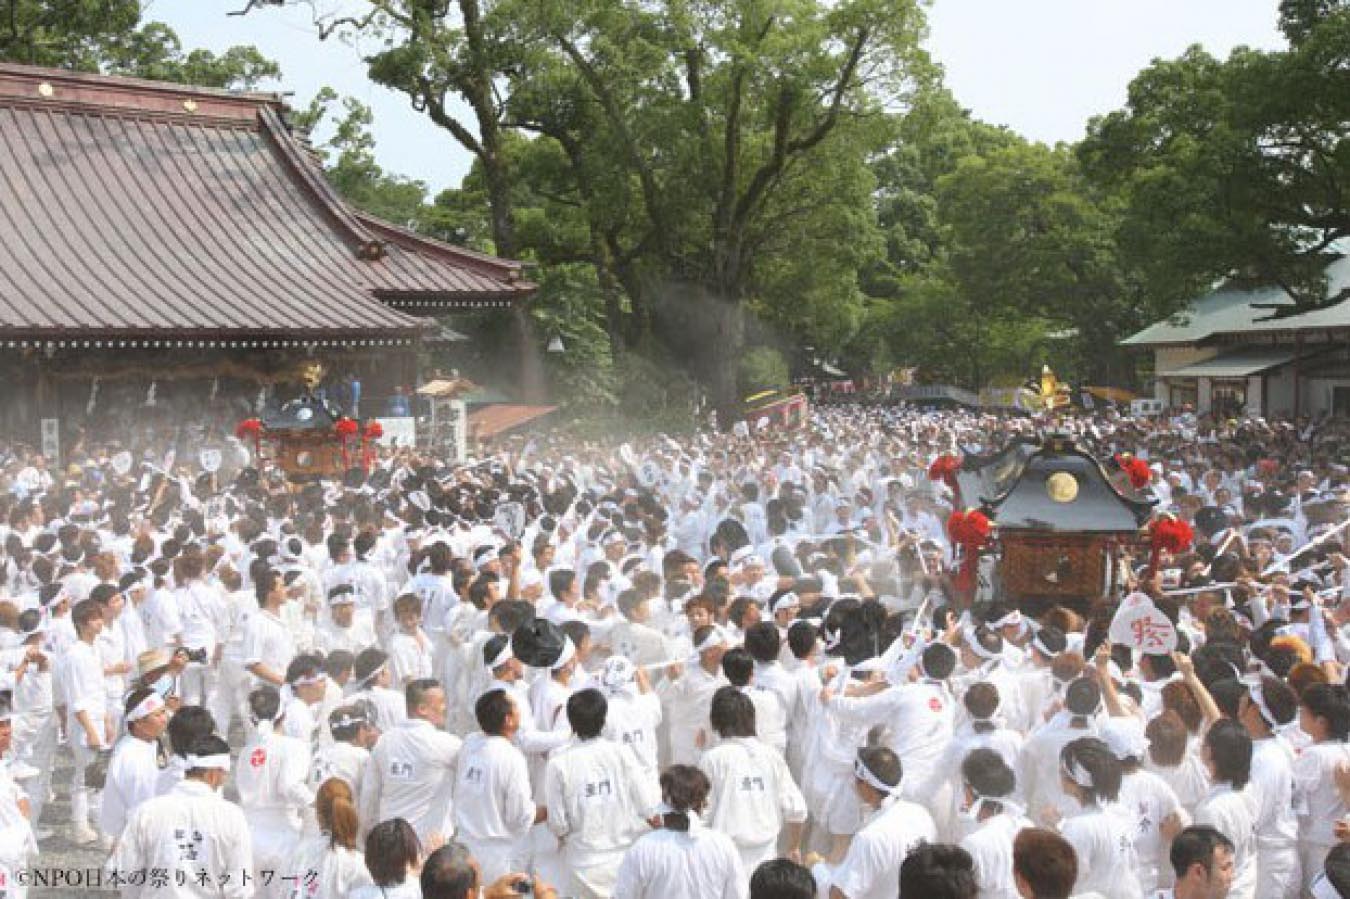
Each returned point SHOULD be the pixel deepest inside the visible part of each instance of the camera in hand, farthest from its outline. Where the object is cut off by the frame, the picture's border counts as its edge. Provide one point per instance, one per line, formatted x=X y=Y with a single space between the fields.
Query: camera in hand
x=196 y=655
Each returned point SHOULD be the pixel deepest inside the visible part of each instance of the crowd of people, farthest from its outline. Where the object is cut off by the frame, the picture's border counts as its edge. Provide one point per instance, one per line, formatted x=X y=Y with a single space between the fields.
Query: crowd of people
x=721 y=665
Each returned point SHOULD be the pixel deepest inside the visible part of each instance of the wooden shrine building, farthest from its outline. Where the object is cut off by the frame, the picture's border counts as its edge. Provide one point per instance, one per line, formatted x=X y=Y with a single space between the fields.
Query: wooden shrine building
x=162 y=243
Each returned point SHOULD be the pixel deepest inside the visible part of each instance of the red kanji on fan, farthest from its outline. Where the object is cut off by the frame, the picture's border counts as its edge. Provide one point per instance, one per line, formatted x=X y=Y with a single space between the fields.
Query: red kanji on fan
x=1148 y=634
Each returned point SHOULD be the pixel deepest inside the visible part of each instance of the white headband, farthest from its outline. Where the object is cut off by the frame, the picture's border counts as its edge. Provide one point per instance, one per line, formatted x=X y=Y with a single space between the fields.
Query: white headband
x=1039 y=644
x=712 y=639
x=864 y=774
x=308 y=680
x=147 y=707
x=1013 y=618
x=502 y=657
x=1323 y=888
x=374 y=674
x=221 y=762
x=1258 y=696
x=348 y=721
x=569 y=652
x=977 y=648
x=1074 y=771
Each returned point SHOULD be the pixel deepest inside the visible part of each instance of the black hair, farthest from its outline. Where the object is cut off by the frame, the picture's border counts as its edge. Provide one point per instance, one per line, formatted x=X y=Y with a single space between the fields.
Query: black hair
x=1329 y=702
x=303 y=665
x=801 y=637
x=1230 y=751
x=981 y=701
x=263 y=583
x=338 y=662
x=448 y=873
x=739 y=606
x=1337 y=868
x=988 y=774
x=189 y=724
x=586 y=710
x=1195 y=845
x=491 y=710
x=738 y=666
x=1082 y=698
x=782 y=878
x=206 y=746
x=938 y=871
x=884 y=764
x=264 y=703
x=560 y=580
x=392 y=848
x=1102 y=767
x=939 y=661
x=732 y=714
x=347 y=733
x=763 y=642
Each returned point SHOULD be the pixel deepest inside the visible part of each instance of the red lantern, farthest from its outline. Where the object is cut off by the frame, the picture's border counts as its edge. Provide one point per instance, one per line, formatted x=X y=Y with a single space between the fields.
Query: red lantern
x=1137 y=469
x=1168 y=533
x=345 y=428
x=373 y=432
x=969 y=530
x=250 y=427
x=944 y=469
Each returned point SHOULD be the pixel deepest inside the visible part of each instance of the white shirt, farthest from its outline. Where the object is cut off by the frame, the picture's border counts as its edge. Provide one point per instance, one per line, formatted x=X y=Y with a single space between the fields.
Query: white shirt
x=598 y=798
x=411 y=776
x=85 y=689
x=1149 y=800
x=409 y=657
x=189 y=829
x=1316 y=798
x=632 y=720
x=269 y=641
x=1103 y=839
x=920 y=719
x=271 y=777
x=323 y=870
x=991 y=847
x=1233 y=813
x=871 y=869
x=1273 y=786
x=753 y=792
x=669 y=864
x=353 y=639
x=341 y=760
x=493 y=801
x=687 y=700
x=132 y=776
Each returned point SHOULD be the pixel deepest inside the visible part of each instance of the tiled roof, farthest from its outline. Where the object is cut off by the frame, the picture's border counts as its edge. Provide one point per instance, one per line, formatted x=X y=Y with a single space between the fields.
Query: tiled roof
x=131 y=207
x=1232 y=310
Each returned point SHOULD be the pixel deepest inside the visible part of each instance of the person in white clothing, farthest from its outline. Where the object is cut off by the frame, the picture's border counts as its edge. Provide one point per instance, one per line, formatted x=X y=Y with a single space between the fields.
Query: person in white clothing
x=1146 y=798
x=770 y=710
x=134 y=770
x=686 y=695
x=89 y=724
x=894 y=827
x=753 y=795
x=17 y=841
x=988 y=784
x=342 y=629
x=271 y=779
x=411 y=773
x=192 y=833
x=268 y=643
x=410 y=650
x=598 y=799
x=634 y=711
x=347 y=756
x=1202 y=860
x=1270 y=704
x=1231 y=805
x=328 y=863
x=682 y=859
x=393 y=858
x=1101 y=835
x=1325 y=717
x=494 y=808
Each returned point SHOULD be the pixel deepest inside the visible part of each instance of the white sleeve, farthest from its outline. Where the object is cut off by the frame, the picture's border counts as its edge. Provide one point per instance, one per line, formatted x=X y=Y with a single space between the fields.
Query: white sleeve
x=629 y=882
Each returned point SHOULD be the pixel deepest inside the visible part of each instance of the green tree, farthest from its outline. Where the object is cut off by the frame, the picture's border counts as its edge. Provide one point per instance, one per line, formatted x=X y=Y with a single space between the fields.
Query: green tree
x=109 y=36
x=709 y=120
x=1026 y=235
x=1236 y=168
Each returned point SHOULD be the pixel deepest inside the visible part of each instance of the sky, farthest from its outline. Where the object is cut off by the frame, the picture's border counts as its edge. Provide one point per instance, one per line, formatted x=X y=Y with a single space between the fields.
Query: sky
x=1040 y=67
